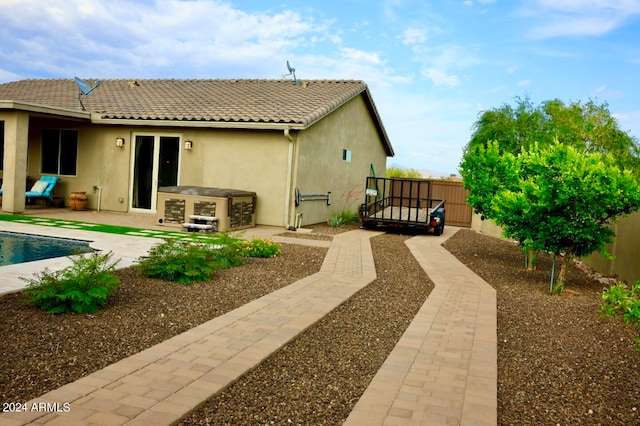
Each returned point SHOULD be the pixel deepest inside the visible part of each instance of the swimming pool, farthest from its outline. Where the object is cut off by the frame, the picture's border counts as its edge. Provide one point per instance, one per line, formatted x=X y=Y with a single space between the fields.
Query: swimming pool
x=20 y=248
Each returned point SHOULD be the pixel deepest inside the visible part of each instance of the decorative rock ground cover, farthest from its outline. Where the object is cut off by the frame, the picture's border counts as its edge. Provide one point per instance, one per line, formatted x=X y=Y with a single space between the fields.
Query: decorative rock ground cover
x=559 y=363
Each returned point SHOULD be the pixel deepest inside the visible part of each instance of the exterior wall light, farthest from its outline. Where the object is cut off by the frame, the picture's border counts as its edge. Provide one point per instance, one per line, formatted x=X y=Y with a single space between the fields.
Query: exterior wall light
x=188 y=145
x=119 y=142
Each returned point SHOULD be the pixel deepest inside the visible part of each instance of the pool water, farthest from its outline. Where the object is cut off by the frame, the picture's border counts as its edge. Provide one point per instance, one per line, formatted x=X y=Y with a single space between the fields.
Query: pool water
x=19 y=248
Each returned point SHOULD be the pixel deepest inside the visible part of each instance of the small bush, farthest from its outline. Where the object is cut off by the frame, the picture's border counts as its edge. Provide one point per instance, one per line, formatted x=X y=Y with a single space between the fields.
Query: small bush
x=397 y=172
x=82 y=287
x=621 y=299
x=343 y=217
x=260 y=248
x=186 y=262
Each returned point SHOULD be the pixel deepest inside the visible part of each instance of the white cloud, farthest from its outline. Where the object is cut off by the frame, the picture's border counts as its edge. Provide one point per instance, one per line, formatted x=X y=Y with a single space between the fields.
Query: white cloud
x=524 y=83
x=605 y=93
x=360 y=56
x=470 y=2
x=558 y=18
x=150 y=39
x=629 y=121
x=442 y=64
x=441 y=78
x=414 y=36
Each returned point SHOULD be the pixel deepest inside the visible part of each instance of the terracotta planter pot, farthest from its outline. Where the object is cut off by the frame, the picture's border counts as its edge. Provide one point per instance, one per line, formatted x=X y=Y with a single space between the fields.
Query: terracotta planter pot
x=78 y=200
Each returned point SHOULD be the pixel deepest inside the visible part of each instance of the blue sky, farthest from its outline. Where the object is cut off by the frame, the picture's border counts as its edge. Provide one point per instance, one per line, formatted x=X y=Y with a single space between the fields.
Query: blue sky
x=431 y=66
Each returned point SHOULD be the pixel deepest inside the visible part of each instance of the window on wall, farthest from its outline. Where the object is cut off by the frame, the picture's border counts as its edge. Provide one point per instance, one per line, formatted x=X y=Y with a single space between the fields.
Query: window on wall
x=59 y=151
x=346 y=155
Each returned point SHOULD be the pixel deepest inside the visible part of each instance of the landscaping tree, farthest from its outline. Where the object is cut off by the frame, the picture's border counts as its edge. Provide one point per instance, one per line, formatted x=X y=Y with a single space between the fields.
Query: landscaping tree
x=586 y=126
x=486 y=168
x=486 y=171
x=562 y=201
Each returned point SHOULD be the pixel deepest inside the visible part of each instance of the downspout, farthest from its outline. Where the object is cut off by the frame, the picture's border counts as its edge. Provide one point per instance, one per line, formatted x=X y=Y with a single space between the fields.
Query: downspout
x=287 y=198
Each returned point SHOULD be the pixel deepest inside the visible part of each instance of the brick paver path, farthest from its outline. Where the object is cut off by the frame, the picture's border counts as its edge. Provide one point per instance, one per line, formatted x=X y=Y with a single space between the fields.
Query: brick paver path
x=443 y=371
x=160 y=385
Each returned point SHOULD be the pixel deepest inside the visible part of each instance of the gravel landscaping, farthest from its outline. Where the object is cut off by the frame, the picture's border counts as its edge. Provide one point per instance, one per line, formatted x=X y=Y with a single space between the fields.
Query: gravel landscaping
x=318 y=377
x=41 y=352
x=559 y=363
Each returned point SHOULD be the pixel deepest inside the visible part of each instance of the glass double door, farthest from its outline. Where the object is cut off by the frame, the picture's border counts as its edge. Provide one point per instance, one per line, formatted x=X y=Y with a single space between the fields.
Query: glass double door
x=155 y=164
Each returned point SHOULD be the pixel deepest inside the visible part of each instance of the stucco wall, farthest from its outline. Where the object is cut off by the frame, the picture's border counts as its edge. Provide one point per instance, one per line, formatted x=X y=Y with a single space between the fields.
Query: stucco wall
x=320 y=167
x=486 y=227
x=251 y=160
x=100 y=163
x=248 y=160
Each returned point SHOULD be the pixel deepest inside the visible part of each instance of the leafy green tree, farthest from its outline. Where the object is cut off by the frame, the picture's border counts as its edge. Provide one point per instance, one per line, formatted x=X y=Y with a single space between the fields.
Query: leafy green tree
x=562 y=201
x=588 y=126
x=515 y=127
x=485 y=171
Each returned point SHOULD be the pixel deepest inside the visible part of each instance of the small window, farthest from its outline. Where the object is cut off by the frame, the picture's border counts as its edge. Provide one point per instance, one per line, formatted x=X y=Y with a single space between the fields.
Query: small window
x=346 y=155
x=59 y=152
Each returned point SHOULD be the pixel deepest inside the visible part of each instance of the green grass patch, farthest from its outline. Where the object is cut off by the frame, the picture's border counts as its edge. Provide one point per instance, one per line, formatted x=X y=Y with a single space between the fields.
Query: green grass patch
x=109 y=229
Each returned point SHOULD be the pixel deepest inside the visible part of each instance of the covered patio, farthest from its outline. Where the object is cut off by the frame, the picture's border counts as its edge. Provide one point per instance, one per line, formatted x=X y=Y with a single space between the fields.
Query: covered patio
x=57 y=154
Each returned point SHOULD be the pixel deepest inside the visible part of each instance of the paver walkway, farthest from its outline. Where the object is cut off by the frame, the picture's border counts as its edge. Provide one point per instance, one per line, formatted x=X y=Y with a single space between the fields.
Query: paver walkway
x=442 y=372
x=160 y=385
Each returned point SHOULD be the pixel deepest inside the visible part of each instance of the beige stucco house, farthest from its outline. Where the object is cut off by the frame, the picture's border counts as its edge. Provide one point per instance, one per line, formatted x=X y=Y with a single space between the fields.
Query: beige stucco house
x=277 y=138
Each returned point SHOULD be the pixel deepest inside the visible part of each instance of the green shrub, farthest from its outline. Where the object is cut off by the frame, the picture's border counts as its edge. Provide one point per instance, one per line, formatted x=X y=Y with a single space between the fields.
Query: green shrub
x=397 y=172
x=187 y=262
x=621 y=299
x=343 y=217
x=258 y=247
x=82 y=287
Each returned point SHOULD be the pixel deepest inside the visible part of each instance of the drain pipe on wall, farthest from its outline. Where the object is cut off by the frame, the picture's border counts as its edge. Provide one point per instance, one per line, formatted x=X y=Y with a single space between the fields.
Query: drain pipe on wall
x=287 y=197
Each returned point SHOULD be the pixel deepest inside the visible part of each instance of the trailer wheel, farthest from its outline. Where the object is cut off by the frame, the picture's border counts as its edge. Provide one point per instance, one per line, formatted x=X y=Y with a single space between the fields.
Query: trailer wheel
x=438 y=230
x=369 y=225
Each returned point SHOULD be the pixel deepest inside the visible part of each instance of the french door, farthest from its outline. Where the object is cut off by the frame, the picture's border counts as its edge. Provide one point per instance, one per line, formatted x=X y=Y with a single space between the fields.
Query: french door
x=155 y=163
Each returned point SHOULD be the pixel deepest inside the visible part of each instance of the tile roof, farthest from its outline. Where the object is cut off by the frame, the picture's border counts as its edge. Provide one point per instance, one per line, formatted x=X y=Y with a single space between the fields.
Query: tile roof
x=252 y=102
x=248 y=101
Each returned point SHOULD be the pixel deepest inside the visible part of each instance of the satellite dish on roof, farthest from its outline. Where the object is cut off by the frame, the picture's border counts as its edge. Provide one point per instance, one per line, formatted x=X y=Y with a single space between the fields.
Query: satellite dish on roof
x=292 y=71
x=85 y=89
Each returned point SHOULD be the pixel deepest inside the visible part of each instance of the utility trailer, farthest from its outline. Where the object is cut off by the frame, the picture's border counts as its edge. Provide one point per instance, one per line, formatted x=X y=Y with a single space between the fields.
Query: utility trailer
x=401 y=202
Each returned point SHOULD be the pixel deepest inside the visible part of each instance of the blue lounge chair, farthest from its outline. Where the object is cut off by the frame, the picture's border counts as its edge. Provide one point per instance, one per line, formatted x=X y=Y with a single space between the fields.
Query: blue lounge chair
x=42 y=189
x=47 y=192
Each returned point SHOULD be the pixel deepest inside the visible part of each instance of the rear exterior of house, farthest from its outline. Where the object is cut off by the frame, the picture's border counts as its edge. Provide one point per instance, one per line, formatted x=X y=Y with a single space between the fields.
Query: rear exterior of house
x=281 y=140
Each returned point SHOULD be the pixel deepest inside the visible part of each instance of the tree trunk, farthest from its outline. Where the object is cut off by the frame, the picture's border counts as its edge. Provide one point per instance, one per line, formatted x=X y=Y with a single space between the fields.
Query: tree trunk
x=532 y=260
x=562 y=276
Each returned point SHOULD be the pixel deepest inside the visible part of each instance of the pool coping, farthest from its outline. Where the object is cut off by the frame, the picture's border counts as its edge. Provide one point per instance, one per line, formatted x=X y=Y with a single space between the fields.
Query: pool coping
x=127 y=248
